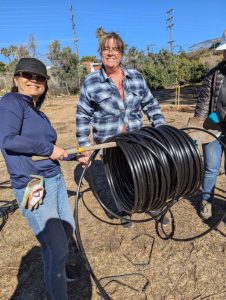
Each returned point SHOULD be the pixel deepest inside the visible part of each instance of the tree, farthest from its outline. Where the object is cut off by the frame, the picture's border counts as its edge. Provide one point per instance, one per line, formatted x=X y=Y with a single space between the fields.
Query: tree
x=131 y=57
x=198 y=71
x=153 y=76
x=15 y=53
x=2 y=67
x=135 y=59
x=89 y=58
x=100 y=33
x=183 y=69
x=54 y=54
x=65 y=68
x=21 y=51
x=6 y=53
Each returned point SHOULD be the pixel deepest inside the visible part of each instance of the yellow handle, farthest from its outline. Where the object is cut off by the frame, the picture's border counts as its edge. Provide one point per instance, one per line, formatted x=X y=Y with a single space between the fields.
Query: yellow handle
x=80 y=150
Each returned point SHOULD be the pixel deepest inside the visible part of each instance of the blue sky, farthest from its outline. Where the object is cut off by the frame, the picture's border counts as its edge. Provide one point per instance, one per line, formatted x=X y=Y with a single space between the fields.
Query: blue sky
x=140 y=23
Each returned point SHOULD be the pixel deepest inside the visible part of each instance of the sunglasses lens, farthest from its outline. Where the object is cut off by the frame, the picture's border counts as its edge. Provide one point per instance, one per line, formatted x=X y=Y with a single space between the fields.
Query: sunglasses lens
x=26 y=75
x=40 y=78
x=31 y=76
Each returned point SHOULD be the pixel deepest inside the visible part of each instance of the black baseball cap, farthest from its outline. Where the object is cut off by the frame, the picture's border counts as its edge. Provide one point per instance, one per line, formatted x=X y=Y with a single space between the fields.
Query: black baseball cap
x=33 y=65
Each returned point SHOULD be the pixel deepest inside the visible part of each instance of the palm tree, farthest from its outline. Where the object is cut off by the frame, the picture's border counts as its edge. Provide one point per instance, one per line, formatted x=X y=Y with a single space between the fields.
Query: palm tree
x=6 y=53
x=100 y=33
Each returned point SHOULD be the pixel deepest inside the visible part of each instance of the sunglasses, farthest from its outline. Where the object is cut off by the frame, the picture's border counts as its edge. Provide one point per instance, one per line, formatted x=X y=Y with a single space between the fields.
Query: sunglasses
x=31 y=76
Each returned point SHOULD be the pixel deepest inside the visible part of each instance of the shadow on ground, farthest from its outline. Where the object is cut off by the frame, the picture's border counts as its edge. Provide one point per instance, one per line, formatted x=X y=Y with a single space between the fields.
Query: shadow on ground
x=30 y=277
x=219 y=209
x=96 y=178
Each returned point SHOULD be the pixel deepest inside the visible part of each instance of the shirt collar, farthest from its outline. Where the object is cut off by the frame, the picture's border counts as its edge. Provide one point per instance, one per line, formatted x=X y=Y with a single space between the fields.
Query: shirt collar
x=104 y=76
x=27 y=98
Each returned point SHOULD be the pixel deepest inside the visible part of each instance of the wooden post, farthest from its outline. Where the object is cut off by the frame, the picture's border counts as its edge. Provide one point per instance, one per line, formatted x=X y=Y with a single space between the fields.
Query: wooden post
x=177 y=97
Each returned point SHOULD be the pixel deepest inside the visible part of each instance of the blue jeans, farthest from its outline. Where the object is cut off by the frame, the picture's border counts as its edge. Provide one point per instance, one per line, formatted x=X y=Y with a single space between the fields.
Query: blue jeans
x=212 y=162
x=53 y=225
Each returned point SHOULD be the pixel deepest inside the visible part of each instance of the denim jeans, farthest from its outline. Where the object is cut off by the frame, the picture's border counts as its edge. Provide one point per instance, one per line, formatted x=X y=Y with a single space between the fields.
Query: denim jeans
x=212 y=162
x=53 y=225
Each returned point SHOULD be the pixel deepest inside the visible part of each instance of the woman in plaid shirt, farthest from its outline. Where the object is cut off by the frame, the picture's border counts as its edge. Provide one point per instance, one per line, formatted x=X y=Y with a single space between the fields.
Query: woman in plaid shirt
x=113 y=98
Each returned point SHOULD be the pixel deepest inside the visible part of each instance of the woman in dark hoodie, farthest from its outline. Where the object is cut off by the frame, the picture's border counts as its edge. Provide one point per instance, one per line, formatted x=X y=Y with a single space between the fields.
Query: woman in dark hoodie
x=39 y=185
x=212 y=105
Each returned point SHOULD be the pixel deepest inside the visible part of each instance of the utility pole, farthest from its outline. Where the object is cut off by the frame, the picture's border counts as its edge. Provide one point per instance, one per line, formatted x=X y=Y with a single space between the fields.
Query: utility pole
x=73 y=30
x=150 y=48
x=75 y=43
x=170 y=24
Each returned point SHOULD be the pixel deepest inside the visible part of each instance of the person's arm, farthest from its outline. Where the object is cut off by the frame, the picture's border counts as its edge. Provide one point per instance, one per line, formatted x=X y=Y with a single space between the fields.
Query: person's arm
x=84 y=116
x=151 y=108
x=203 y=102
x=11 y=120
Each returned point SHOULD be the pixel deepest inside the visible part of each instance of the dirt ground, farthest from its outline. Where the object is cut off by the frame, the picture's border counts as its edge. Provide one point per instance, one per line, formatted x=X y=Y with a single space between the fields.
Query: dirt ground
x=132 y=264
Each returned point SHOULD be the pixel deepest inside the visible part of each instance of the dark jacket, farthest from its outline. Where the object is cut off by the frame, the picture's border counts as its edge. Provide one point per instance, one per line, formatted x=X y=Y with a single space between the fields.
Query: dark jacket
x=210 y=90
x=25 y=131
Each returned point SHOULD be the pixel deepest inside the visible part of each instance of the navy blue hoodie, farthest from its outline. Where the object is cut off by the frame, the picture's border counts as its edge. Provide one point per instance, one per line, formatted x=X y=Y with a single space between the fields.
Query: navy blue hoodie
x=25 y=131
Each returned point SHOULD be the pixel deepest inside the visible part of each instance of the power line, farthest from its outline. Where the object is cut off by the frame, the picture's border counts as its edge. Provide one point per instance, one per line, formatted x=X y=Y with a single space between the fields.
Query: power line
x=34 y=7
x=170 y=24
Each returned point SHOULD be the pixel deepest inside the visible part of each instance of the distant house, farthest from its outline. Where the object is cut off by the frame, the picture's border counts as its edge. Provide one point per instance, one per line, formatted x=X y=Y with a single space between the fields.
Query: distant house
x=91 y=66
x=209 y=44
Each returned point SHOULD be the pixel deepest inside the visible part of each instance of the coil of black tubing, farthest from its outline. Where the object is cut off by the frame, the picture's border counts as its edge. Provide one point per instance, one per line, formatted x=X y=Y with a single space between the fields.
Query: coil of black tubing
x=151 y=167
x=148 y=170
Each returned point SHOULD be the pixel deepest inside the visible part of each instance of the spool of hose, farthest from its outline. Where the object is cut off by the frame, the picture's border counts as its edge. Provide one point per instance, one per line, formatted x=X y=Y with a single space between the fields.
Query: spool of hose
x=152 y=167
x=148 y=170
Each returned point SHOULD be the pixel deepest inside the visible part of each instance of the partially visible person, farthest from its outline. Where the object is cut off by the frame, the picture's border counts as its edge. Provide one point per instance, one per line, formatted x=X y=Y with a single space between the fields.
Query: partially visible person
x=211 y=104
x=38 y=185
x=113 y=98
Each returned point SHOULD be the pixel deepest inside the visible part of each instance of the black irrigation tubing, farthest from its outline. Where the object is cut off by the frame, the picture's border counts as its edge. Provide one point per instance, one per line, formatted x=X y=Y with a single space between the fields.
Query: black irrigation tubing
x=95 y=216
x=6 y=208
x=78 y=236
x=116 y=279
x=157 y=166
x=149 y=170
x=170 y=235
x=214 y=227
x=114 y=214
x=206 y=131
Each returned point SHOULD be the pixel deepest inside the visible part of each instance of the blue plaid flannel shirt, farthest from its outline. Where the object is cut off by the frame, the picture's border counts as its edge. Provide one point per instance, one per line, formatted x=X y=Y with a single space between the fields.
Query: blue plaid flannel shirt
x=101 y=108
